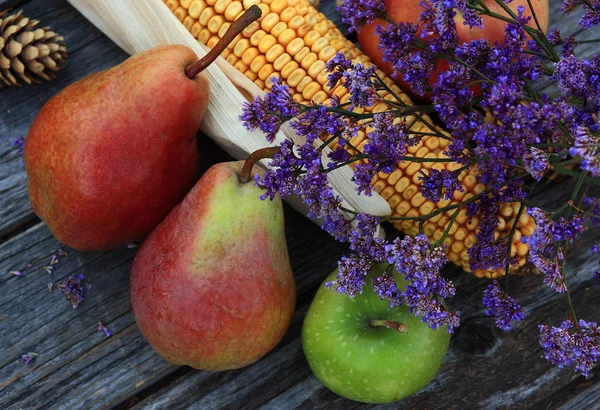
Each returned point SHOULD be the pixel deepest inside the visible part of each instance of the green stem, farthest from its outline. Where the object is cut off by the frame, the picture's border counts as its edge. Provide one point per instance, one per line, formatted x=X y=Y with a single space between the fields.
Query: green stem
x=575 y=174
x=448 y=228
x=596 y=40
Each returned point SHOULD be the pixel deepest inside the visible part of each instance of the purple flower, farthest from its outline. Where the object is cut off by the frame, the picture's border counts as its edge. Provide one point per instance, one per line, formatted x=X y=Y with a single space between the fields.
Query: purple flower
x=357 y=79
x=502 y=306
x=73 y=289
x=397 y=43
x=587 y=146
x=438 y=182
x=554 y=36
x=420 y=265
x=103 y=328
x=337 y=66
x=386 y=147
x=16 y=273
x=536 y=162
x=385 y=287
x=269 y=112
x=28 y=357
x=364 y=240
x=281 y=175
x=580 y=79
x=545 y=250
x=351 y=276
x=357 y=13
x=360 y=85
x=315 y=122
x=565 y=345
x=590 y=18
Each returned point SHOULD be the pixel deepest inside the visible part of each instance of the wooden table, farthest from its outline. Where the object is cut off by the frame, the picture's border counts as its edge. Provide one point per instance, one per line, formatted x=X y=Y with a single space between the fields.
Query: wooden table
x=79 y=368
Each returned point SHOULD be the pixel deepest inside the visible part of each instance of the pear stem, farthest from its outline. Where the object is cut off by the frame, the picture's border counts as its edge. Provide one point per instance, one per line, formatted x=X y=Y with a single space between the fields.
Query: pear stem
x=245 y=173
x=249 y=16
x=390 y=324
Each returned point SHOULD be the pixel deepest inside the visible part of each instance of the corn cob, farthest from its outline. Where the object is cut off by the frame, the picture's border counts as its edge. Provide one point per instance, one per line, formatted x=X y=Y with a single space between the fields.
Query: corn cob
x=293 y=41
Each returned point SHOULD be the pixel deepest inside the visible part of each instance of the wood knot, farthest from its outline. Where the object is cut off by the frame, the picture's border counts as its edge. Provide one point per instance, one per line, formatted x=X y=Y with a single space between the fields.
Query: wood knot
x=477 y=336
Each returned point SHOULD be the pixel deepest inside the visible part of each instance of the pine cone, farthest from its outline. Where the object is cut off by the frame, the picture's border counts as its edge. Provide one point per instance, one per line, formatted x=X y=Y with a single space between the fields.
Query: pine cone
x=28 y=54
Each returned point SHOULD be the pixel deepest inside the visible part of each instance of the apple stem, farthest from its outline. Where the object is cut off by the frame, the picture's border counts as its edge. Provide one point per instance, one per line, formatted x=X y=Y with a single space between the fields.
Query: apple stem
x=249 y=16
x=390 y=324
x=245 y=173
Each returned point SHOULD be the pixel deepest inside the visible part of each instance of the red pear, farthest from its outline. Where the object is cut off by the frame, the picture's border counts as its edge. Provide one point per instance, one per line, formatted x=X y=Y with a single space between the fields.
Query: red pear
x=109 y=156
x=212 y=286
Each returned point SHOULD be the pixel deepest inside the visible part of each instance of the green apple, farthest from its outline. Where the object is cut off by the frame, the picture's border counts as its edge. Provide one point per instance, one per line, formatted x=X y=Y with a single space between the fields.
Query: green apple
x=364 y=350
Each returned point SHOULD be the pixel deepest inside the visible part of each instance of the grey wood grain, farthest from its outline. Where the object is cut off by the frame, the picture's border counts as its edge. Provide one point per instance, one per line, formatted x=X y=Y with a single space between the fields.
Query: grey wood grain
x=19 y=105
x=507 y=367
x=79 y=368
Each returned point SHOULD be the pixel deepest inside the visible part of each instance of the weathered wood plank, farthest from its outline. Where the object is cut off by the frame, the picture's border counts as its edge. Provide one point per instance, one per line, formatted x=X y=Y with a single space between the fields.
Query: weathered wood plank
x=19 y=105
x=12 y=4
x=508 y=367
x=77 y=366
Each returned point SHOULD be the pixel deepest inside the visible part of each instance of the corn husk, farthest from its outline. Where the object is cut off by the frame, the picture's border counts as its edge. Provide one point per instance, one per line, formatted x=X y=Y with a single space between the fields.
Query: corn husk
x=137 y=25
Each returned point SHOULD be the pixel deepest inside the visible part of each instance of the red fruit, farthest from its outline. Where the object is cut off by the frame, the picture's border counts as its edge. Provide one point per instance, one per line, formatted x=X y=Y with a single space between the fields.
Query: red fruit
x=109 y=156
x=409 y=11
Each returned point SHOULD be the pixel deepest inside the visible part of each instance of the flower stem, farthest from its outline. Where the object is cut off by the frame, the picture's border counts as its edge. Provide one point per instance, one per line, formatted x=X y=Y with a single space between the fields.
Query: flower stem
x=390 y=324
x=245 y=173
x=251 y=15
x=566 y=171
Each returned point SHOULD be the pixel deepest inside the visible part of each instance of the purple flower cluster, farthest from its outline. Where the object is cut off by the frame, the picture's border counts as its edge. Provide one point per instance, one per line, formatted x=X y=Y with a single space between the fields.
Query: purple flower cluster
x=420 y=265
x=268 y=113
x=590 y=18
x=438 y=182
x=536 y=163
x=502 y=306
x=351 y=276
x=513 y=135
x=587 y=146
x=397 y=43
x=357 y=13
x=545 y=245
x=580 y=79
x=73 y=288
x=414 y=259
x=386 y=147
x=567 y=345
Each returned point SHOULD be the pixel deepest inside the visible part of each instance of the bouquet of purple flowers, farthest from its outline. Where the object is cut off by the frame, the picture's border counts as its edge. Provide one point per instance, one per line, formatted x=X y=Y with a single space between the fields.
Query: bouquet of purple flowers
x=532 y=137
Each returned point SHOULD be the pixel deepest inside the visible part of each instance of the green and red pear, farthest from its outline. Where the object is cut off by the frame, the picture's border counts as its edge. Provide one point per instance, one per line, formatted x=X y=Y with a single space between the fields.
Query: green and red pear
x=212 y=286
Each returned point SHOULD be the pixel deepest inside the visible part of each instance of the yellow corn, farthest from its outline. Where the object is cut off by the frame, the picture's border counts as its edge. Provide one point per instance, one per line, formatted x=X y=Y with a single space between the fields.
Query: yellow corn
x=293 y=41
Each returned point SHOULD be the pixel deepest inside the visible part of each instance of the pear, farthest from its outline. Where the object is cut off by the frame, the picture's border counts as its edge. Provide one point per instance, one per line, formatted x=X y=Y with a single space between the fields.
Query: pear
x=110 y=155
x=212 y=286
